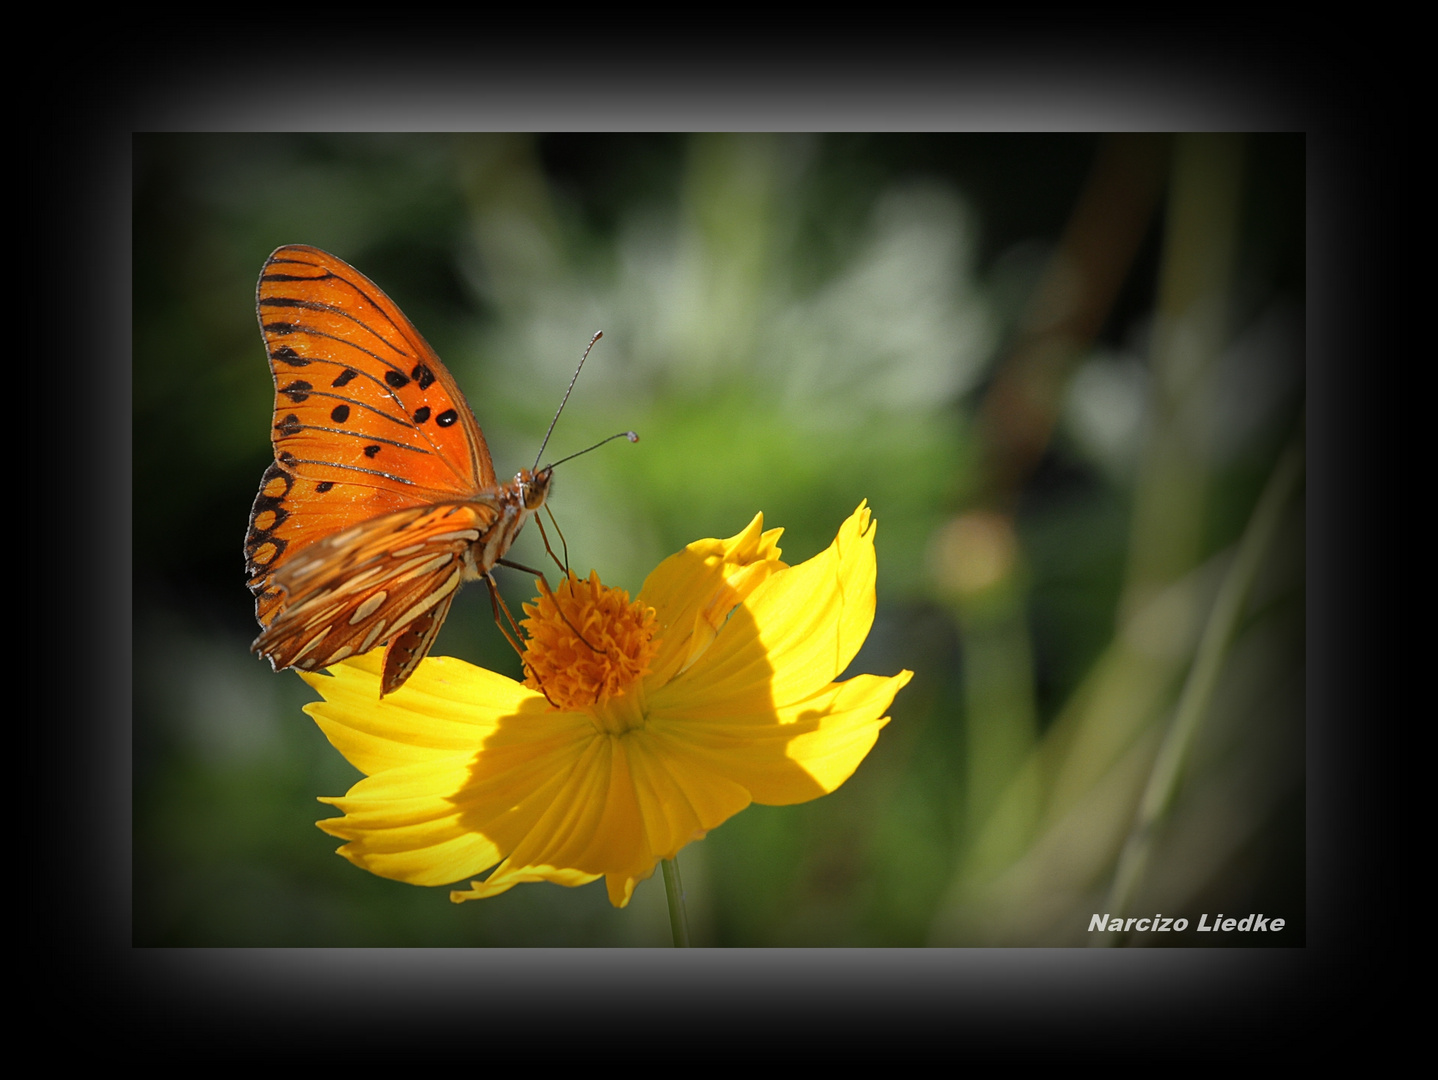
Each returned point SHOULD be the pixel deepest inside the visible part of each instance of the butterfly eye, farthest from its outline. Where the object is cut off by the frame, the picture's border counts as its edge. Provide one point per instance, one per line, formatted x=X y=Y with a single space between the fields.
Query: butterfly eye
x=535 y=488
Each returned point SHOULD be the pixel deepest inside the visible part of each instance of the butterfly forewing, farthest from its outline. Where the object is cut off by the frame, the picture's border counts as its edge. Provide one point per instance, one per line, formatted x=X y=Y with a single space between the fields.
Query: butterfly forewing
x=360 y=397
x=362 y=529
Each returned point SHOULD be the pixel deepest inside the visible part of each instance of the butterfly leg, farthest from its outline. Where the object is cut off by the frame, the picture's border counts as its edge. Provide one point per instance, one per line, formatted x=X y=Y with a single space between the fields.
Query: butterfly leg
x=545 y=537
x=497 y=605
x=544 y=588
x=519 y=566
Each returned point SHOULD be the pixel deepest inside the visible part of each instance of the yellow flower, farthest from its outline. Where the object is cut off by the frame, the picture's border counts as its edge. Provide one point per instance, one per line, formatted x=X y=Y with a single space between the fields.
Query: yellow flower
x=712 y=690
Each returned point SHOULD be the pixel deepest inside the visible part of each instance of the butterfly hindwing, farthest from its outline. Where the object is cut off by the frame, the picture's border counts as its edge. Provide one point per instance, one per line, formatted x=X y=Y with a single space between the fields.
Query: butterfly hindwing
x=374 y=582
x=407 y=648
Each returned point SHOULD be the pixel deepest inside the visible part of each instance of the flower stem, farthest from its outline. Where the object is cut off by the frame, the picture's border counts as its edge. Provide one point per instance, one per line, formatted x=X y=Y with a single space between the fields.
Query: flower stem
x=674 y=890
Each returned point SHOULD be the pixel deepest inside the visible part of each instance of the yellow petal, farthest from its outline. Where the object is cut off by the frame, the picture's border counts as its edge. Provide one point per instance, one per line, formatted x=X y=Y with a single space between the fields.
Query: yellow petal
x=447 y=706
x=454 y=787
x=760 y=710
x=843 y=724
x=693 y=592
x=782 y=754
x=798 y=629
x=680 y=799
x=437 y=822
x=627 y=806
x=591 y=825
x=506 y=878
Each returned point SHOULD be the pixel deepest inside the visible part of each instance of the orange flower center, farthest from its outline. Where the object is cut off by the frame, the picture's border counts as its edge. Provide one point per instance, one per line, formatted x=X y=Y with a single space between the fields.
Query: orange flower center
x=586 y=643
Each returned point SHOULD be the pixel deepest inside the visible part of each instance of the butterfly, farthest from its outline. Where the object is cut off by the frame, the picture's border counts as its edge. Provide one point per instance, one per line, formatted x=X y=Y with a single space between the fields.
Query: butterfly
x=382 y=499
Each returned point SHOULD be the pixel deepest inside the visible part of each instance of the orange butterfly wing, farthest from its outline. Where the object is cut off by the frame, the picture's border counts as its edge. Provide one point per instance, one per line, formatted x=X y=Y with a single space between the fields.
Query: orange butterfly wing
x=391 y=578
x=381 y=479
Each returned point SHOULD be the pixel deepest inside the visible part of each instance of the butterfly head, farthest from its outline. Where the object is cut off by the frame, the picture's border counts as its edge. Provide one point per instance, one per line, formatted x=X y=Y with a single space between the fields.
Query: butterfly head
x=533 y=485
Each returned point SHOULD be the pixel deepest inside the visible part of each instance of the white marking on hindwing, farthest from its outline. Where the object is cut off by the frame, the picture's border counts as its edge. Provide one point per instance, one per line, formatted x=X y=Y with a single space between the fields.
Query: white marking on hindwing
x=372 y=636
x=310 y=645
x=463 y=534
x=368 y=608
x=419 y=567
x=324 y=615
x=428 y=601
x=362 y=576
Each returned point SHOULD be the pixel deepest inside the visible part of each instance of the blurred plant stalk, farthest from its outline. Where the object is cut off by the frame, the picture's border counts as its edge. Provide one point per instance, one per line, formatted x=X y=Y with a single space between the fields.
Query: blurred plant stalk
x=1069 y=308
x=975 y=558
x=1040 y=857
x=1198 y=690
x=977 y=555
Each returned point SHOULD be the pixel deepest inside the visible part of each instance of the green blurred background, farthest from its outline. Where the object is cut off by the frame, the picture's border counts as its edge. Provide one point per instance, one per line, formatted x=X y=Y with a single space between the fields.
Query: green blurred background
x=1066 y=371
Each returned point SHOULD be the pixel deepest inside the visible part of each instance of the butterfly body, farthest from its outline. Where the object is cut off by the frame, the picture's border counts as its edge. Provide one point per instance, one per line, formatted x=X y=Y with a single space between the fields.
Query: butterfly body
x=382 y=498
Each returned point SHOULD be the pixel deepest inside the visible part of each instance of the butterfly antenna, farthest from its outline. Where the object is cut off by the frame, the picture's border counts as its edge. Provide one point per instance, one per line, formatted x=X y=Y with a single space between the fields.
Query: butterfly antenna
x=632 y=436
x=599 y=334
